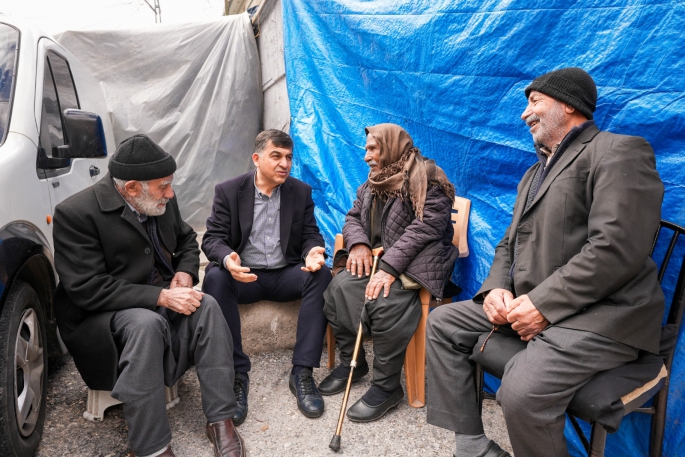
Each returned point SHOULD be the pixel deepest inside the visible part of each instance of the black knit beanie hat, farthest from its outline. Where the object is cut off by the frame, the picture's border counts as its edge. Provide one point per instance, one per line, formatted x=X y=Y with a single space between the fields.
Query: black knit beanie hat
x=138 y=158
x=573 y=86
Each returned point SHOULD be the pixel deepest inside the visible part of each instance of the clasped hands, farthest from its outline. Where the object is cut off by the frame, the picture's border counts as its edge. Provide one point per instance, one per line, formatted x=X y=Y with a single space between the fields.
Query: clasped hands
x=313 y=262
x=180 y=296
x=502 y=308
x=359 y=263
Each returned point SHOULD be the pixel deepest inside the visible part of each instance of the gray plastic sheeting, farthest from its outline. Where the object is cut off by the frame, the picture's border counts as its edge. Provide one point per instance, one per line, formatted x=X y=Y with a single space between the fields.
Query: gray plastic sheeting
x=193 y=88
x=452 y=72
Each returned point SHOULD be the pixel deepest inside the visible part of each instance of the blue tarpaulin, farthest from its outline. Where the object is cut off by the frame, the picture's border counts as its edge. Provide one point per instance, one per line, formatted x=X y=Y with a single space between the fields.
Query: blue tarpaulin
x=452 y=73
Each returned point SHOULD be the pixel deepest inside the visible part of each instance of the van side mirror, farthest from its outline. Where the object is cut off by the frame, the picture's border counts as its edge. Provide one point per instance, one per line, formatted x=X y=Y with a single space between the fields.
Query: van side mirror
x=85 y=136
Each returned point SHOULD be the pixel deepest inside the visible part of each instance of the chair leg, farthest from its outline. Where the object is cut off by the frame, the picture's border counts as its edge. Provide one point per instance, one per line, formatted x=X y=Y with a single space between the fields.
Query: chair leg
x=656 y=440
x=330 y=343
x=597 y=440
x=415 y=358
x=171 y=394
x=100 y=400
x=579 y=432
x=480 y=393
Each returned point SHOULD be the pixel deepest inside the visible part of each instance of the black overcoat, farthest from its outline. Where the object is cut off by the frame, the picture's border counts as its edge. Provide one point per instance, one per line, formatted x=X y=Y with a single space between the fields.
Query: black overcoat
x=583 y=244
x=104 y=259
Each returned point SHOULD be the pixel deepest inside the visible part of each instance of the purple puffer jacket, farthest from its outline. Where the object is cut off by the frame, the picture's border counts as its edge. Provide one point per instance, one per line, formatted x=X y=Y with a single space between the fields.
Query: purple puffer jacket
x=422 y=250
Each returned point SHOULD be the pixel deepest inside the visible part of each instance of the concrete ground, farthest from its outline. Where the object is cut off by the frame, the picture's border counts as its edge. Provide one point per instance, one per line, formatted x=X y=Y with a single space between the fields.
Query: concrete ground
x=274 y=426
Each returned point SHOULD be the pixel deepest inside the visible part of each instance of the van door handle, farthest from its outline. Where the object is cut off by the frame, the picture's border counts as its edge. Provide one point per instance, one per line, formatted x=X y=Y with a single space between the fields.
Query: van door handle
x=94 y=171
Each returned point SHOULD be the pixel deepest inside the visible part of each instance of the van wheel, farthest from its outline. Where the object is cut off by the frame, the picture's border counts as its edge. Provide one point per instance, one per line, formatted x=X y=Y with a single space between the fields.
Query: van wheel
x=23 y=372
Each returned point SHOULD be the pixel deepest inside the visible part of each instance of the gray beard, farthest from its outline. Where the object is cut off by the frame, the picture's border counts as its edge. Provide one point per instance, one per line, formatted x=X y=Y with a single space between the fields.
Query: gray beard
x=146 y=204
x=553 y=128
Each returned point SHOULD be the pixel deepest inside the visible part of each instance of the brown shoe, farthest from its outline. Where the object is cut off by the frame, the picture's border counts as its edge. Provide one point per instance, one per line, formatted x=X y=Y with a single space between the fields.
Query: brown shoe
x=226 y=439
x=167 y=453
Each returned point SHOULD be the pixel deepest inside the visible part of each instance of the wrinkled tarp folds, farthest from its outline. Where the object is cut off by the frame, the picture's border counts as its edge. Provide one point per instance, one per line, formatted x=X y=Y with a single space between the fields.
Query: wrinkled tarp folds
x=452 y=73
x=193 y=88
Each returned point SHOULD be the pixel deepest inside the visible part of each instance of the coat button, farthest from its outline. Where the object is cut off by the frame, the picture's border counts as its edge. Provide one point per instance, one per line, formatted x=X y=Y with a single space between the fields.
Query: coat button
x=147 y=250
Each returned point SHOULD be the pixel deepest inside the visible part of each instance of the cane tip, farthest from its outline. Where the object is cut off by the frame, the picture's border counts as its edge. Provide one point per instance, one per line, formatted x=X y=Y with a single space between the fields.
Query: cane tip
x=335 y=443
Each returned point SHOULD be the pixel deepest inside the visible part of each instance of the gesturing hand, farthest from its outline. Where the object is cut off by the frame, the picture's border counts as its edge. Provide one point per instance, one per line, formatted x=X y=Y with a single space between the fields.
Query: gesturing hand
x=381 y=280
x=181 y=279
x=314 y=260
x=359 y=260
x=525 y=318
x=183 y=300
x=495 y=305
x=239 y=272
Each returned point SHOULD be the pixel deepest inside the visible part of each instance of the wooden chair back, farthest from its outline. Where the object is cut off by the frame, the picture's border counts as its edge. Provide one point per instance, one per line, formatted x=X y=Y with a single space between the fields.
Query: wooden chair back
x=460 y=219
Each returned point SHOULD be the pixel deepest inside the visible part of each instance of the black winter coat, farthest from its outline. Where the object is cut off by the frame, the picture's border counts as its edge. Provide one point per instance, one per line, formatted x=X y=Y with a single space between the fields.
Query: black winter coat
x=420 y=249
x=104 y=258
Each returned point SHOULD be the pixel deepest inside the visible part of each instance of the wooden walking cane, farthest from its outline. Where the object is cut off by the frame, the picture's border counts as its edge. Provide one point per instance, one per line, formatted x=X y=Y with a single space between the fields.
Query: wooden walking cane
x=335 y=441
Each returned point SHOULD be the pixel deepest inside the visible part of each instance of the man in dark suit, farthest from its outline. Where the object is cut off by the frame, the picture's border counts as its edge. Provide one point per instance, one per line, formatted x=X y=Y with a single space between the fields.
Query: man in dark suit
x=263 y=244
x=572 y=277
x=125 y=305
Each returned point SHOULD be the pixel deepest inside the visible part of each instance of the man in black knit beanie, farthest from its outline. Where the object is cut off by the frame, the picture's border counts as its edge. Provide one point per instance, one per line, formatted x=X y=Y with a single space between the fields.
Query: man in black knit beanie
x=572 y=287
x=125 y=304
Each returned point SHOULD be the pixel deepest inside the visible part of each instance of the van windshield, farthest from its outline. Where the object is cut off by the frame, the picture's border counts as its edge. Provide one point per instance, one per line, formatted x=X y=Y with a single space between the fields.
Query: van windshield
x=9 y=39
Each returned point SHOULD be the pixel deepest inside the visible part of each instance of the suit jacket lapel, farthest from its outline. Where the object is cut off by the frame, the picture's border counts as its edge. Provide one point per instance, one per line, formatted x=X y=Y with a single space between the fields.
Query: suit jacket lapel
x=575 y=148
x=131 y=218
x=246 y=209
x=521 y=202
x=287 y=207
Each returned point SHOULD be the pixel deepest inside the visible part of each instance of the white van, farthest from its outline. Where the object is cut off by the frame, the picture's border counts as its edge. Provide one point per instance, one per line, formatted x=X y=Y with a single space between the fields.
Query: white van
x=54 y=138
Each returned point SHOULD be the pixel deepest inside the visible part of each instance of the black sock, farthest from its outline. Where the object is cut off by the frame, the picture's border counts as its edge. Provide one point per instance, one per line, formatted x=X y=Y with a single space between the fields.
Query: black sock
x=375 y=395
x=341 y=372
x=297 y=368
x=241 y=375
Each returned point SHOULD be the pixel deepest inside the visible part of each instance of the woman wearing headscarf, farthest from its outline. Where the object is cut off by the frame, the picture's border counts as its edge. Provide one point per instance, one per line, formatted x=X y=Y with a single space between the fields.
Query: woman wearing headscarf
x=405 y=207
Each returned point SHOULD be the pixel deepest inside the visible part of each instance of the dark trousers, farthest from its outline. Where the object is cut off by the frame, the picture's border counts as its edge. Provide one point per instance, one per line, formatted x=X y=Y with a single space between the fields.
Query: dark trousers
x=391 y=321
x=538 y=383
x=280 y=285
x=157 y=348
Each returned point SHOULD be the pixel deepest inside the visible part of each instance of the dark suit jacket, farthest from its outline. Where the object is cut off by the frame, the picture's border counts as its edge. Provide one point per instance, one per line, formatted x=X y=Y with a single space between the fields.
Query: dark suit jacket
x=584 y=242
x=104 y=259
x=230 y=224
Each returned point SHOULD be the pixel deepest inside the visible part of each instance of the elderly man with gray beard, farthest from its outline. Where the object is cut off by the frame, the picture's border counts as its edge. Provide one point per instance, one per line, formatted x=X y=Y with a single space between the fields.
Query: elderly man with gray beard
x=125 y=304
x=571 y=277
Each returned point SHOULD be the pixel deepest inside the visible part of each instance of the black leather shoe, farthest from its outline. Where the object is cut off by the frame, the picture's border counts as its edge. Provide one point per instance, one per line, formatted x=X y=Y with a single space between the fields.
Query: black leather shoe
x=361 y=412
x=241 y=387
x=332 y=385
x=309 y=400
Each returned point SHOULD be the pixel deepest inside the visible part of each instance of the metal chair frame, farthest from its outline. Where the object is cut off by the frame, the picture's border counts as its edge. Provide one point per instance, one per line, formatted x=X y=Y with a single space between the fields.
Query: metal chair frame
x=595 y=446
